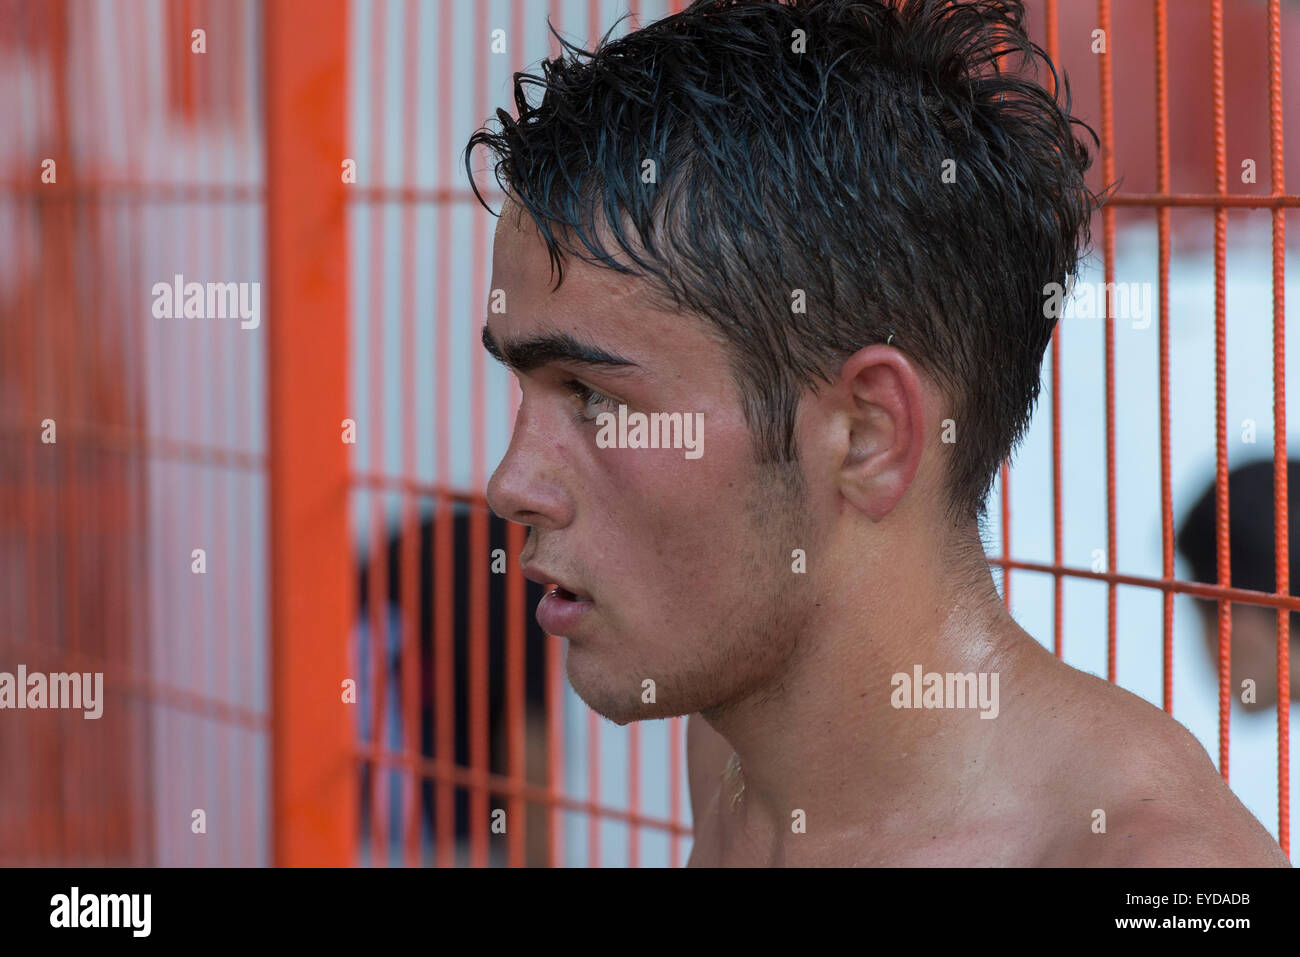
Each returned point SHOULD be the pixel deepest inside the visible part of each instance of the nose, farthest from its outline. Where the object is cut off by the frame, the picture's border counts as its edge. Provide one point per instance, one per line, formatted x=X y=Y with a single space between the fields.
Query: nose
x=526 y=486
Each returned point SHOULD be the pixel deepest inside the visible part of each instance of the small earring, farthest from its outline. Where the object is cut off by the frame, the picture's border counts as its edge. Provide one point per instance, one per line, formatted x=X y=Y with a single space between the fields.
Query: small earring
x=891 y=337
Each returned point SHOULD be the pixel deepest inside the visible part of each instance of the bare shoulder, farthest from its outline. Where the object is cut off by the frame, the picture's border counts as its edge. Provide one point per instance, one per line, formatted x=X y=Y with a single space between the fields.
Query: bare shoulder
x=1159 y=800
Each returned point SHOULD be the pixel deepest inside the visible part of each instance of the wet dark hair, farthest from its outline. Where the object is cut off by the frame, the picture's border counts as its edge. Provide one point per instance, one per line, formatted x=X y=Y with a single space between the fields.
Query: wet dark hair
x=1251 y=538
x=822 y=170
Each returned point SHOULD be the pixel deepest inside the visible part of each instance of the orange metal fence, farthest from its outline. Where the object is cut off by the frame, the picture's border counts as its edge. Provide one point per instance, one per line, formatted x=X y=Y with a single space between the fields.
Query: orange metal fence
x=134 y=458
x=215 y=494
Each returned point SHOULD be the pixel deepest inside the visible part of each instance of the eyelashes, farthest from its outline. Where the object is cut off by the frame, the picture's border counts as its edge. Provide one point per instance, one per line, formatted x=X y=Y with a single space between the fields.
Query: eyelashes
x=592 y=402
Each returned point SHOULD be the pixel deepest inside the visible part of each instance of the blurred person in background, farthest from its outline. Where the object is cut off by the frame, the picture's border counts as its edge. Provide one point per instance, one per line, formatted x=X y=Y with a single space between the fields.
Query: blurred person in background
x=536 y=754
x=1251 y=547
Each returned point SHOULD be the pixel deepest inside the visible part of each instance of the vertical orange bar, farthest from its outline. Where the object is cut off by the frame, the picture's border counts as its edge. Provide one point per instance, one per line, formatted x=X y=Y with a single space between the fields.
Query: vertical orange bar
x=1058 y=599
x=19 y=839
x=676 y=747
x=377 y=581
x=193 y=495
x=69 y=350
x=554 y=653
x=593 y=789
x=516 y=735
x=634 y=794
x=593 y=720
x=516 y=739
x=235 y=257
x=443 y=598
x=634 y=730
x=176 y=30
x=139 y=638
x=1221 y=375
x=1006 y=534
x=249 y=805
x=479 y=743
x=554 y=744
x=444 y=694
x=105 y=824
x=1162 y=231
x=38 y=841
x=410 y=691
x=49 y=402
x=224 y=653
x=59 y=318
x=1108 y=247
x=1002 y=63
x=312 y=792
x=1281 y=534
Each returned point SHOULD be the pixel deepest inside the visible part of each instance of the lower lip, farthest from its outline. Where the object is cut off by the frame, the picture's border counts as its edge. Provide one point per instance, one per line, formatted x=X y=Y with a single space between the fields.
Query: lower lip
x=559 y=616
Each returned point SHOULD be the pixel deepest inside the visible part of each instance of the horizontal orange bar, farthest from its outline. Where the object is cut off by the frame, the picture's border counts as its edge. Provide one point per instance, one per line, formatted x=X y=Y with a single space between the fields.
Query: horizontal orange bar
x=1200 y=589
x=499 y=784
x=1207 y=200
x=122 y=439
x=120 y=678
x=142 y=192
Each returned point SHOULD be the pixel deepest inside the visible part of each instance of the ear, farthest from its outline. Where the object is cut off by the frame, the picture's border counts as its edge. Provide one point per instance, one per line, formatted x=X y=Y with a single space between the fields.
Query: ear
x=883 y=412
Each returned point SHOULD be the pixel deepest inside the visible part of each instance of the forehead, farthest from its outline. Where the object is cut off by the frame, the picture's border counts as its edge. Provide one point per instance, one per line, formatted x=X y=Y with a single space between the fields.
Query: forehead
x=522 y=265
x=607 y=308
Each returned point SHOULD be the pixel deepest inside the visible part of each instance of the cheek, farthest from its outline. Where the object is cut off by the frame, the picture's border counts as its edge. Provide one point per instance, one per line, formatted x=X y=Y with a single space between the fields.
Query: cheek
x=665 y=523
x=680 y=478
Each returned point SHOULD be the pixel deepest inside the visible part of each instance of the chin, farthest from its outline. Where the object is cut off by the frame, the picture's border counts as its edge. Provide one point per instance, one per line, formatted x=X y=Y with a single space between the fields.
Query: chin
x=599 y=691
x=620 y=712
x=613 y=698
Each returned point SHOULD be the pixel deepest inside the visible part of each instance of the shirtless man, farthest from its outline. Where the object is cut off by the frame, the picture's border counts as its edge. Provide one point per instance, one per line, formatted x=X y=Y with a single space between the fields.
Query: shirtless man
x=789 y=586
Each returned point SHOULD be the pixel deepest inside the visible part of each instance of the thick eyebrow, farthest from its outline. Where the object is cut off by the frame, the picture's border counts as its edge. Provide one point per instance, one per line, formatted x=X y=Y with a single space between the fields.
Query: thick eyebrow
x=524 y=355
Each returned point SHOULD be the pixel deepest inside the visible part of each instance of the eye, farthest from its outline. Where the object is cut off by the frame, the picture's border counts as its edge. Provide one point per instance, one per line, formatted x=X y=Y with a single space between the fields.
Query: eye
x=592 y=402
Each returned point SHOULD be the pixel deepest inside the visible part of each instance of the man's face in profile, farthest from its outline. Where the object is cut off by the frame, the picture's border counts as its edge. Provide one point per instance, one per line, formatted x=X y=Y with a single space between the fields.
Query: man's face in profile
x=687 y=561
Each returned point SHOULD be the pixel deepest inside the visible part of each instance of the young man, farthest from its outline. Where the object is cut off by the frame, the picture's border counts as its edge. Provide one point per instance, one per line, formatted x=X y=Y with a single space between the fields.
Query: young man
x=836 y=224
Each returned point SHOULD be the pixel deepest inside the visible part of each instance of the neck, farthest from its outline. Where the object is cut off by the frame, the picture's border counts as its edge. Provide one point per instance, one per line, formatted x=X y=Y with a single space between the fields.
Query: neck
x=825 y=736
